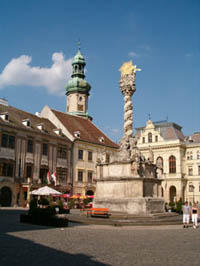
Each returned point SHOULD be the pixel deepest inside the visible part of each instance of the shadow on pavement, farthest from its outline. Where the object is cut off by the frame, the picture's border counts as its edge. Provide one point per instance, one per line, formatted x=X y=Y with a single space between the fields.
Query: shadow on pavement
x=16 y=251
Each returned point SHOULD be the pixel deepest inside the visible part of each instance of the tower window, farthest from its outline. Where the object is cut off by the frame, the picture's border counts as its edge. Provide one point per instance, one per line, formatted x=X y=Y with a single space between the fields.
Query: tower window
x=80 y=107
x=143 y=139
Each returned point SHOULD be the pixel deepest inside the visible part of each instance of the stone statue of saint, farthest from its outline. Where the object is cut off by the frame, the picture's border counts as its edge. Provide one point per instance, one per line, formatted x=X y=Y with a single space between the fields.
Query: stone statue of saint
x=151 y=156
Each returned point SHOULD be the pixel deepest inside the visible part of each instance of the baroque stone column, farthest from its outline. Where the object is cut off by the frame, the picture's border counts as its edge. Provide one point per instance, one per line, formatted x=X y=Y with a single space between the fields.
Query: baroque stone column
x=127 y=87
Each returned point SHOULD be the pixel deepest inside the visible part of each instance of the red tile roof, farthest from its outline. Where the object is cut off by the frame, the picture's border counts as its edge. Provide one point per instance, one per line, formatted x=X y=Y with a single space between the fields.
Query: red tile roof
x=16 y=116
x=88 y=131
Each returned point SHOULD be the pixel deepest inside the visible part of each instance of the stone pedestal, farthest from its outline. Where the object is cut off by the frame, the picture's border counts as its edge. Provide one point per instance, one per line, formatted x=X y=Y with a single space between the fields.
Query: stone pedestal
x=119 y=191
x=135 y=206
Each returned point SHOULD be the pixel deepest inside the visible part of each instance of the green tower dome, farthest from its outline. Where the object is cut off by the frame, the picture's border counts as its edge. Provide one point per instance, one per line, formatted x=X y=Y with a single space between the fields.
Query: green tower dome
x=77 y=82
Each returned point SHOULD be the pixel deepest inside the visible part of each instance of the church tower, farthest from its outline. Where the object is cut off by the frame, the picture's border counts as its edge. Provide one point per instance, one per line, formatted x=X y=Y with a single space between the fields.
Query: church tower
x=77 y=89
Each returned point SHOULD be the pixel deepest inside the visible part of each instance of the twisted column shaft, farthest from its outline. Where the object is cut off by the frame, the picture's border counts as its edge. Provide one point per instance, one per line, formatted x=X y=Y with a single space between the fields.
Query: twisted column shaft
x=128 y=116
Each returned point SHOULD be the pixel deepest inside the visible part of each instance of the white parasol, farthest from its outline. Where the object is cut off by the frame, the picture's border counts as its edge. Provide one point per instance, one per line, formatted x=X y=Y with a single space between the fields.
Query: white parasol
x=45 y=191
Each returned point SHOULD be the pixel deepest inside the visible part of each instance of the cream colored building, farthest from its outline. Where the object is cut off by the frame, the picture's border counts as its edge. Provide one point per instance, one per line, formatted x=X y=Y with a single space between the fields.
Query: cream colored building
x=88 y=145
x=177 y=158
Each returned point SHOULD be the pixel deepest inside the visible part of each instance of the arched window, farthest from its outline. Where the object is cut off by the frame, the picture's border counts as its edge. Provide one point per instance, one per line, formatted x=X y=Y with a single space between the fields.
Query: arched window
x=172 y=194
x=149 y=137
x=172 y=164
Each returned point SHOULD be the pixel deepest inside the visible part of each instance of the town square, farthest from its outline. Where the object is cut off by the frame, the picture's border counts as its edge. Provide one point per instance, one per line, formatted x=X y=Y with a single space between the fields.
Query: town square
x=99 y=133
x=96 y=245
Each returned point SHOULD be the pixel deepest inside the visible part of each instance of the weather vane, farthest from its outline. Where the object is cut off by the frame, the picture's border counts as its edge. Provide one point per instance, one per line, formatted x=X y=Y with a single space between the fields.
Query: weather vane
x=79 y=44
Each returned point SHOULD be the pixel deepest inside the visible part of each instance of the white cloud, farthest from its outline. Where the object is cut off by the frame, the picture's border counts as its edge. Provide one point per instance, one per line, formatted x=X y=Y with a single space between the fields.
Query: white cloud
x=133 y=54
x=18 y=72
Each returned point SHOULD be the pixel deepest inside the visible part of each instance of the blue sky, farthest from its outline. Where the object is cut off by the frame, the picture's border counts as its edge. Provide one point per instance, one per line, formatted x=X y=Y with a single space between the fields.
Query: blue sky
x=162 y=37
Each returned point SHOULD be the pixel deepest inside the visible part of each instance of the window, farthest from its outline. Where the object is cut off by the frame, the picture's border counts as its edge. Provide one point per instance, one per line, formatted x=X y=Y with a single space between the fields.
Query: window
x=30 y=146
x=143 y=139
x=156 y=138
x=61 y=175
x=80 y=154
x=8 y=141
x=80 y=176
x=6 y=169
x=191 y=188
x=190 y=171
x=44 y=149
x=89 y=176
x=198 y=169
x=198 y=156
x=107 y=158
x=80 y=107
x=28 y=171
x=43 y=175
x=172 y=164
x=89 y=155
x=62 y=152
x=150 y=137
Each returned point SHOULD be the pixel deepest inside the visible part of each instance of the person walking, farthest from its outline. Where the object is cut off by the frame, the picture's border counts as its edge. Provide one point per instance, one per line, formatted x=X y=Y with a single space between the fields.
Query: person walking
x=194 y=215
x=186 y=215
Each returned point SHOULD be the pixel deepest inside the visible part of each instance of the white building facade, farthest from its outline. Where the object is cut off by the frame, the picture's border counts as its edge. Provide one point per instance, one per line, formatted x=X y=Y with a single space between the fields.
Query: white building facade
x=176 y=156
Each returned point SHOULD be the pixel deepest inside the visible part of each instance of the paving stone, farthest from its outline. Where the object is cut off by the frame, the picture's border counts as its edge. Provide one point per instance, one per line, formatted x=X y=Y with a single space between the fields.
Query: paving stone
x=95 y=245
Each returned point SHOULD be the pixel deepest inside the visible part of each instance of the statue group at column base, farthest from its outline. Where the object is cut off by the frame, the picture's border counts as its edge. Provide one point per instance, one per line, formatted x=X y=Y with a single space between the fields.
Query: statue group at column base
x=129 y=183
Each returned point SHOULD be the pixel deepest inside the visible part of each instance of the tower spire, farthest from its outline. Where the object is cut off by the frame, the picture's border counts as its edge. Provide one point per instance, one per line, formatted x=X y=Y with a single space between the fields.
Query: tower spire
x=77 y=88
x=79 y=44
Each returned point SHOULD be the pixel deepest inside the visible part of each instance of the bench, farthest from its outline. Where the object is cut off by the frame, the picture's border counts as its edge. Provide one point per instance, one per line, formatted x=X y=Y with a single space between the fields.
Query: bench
x=98 y=212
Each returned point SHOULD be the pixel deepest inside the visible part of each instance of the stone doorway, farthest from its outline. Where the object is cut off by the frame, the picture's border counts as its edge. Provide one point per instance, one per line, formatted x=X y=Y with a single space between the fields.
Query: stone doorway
x=172 y=194
x=5 y=197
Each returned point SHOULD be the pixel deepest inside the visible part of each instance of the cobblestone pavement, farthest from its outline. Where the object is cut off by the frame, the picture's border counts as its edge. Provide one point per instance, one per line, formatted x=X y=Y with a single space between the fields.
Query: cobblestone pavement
x=98 y=245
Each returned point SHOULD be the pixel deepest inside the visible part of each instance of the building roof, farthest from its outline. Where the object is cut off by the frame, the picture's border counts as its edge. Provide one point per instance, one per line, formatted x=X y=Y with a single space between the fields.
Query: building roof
x=168 y=131
x=17 y=116
x=84 y=129
x=194 y=138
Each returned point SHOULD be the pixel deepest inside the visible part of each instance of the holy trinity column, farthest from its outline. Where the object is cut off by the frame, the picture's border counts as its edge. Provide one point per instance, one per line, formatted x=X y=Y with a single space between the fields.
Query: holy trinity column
x=127 y=87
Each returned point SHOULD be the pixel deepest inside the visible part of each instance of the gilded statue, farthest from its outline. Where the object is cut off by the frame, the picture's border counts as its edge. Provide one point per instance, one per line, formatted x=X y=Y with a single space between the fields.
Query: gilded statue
x=128 y=68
